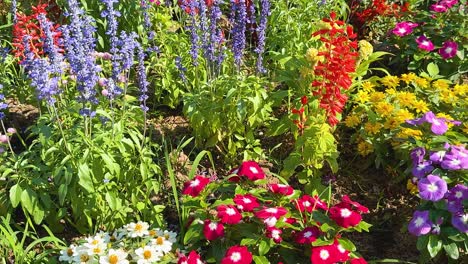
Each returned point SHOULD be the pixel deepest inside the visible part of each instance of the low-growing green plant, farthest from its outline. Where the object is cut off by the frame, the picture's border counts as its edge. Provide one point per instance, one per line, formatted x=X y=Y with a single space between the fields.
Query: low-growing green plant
x=270 y=221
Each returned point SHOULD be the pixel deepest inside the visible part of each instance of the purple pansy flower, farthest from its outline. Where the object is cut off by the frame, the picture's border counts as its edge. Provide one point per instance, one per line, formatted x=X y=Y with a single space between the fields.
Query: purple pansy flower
x=417 y=155
x=432 y=188
x=424 y=43
x=420 y=224
x=460 y=222
x=421 y=169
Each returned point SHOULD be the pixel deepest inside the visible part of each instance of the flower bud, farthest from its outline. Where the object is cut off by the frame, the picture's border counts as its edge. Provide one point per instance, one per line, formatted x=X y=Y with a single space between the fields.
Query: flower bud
x=105 y=92
x=11 y=130
x=3 y=139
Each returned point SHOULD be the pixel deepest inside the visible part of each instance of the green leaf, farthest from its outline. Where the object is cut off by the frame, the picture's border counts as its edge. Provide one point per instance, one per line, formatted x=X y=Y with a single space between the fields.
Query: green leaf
x=421 y=244
x=111 y=200
x=29 y=199
x=452 y=250
x=263 y=248
x=15 y=195
x=84 y=178
x=248 y=241
x=432 y=69
x=434 y=246
x=260 y=260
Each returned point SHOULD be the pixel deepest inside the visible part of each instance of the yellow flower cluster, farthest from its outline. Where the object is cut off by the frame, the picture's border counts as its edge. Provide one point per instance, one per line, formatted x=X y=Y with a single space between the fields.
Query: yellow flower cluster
x=386 y=103
x=365 y=49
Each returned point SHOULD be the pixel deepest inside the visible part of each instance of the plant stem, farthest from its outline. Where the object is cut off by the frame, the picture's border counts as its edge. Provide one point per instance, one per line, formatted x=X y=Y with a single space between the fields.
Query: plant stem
x=9 y=144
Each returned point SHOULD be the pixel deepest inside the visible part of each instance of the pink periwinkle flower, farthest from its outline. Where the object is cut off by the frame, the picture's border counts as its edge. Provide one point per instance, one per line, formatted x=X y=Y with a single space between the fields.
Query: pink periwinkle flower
x=404 y=28
x=438 y=8
x=424 y=43
x=448 y=49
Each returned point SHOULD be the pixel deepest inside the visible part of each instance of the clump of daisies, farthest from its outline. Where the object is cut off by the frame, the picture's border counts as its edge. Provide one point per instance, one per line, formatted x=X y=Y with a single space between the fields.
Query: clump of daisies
x=133 y=243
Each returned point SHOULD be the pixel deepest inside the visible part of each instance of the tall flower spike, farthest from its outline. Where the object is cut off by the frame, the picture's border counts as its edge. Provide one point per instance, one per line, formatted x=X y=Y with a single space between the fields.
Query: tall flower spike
x=238 y=19
x=261 y=32
x=142 y=82
x=112 y=25
x=79 y=43
x=194 y=29
x=146 y=19
x=3 y=104
x=50 y=47
x=14 y=6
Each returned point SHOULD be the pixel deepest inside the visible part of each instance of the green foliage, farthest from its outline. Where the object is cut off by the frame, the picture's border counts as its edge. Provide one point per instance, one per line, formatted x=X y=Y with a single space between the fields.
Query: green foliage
x=14 y=245
x=227 y=113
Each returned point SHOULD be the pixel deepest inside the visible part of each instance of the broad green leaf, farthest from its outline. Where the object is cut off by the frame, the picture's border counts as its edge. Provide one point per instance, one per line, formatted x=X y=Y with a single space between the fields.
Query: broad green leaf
x=15 y=195
x=434 y=245
x=433 y=69
x=260 y=260
x=452 y=250
x=84 y=178
x=263 y=248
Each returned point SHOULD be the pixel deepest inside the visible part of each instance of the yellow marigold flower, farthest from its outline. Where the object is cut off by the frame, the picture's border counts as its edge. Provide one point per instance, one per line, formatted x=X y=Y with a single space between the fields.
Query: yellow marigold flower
x=391 y=123
x=412 y=188
x=409 y=132
x=384 y=108
x=406 y=99
x=408 y=77
x=420 y=106
x=364 y=148
x=362 y=97
x=448 y=97
x=368 y=86
x=352 y=121
x=376 y=97
x=365 y=49
x=421 y=82
x=460 y=89
x=372 y=128
x=391 y=91
x=390 y=81
x=441 y=84
x=402 y=115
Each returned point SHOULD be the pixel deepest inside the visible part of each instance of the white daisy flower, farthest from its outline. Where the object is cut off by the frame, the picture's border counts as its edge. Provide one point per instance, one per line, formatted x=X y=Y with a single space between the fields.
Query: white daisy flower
x=168 y=235
x=82 y=257
x=114 y=257
x=95 y=245
x=162 y=244
x=138 y=229
x=67 y=254
x=147 y=255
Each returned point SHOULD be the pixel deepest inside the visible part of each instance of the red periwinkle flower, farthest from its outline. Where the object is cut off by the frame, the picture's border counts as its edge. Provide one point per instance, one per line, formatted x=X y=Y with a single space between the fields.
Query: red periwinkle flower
x=193 y=258
x=290 y=220
x=275 y=234
x=308 y=235
x=275 y=212
x=345 y=217
x=304 y=100
x=213 y=230
x=251 y=170
x=358 y=261
x=195 y=186
x=308 y=203
x=246 y=203
x=281 y=189
x=324 y=255
x=438 y=8
x=342 y=253
x=237 y=255
x=359 y=207
x=229 y=214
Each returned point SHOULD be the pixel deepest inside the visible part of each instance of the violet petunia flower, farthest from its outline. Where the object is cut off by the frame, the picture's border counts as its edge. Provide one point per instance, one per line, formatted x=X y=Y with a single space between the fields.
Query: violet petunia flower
x=448 y=49
x=460 y=222
x=417 y=155
x=420 y=224
x=424 y=43
x=454 y=162
x=421 y=169
x=438 y=125
x=437 y=156
x=454 y=206
x=432 y=188
x=404 y=28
